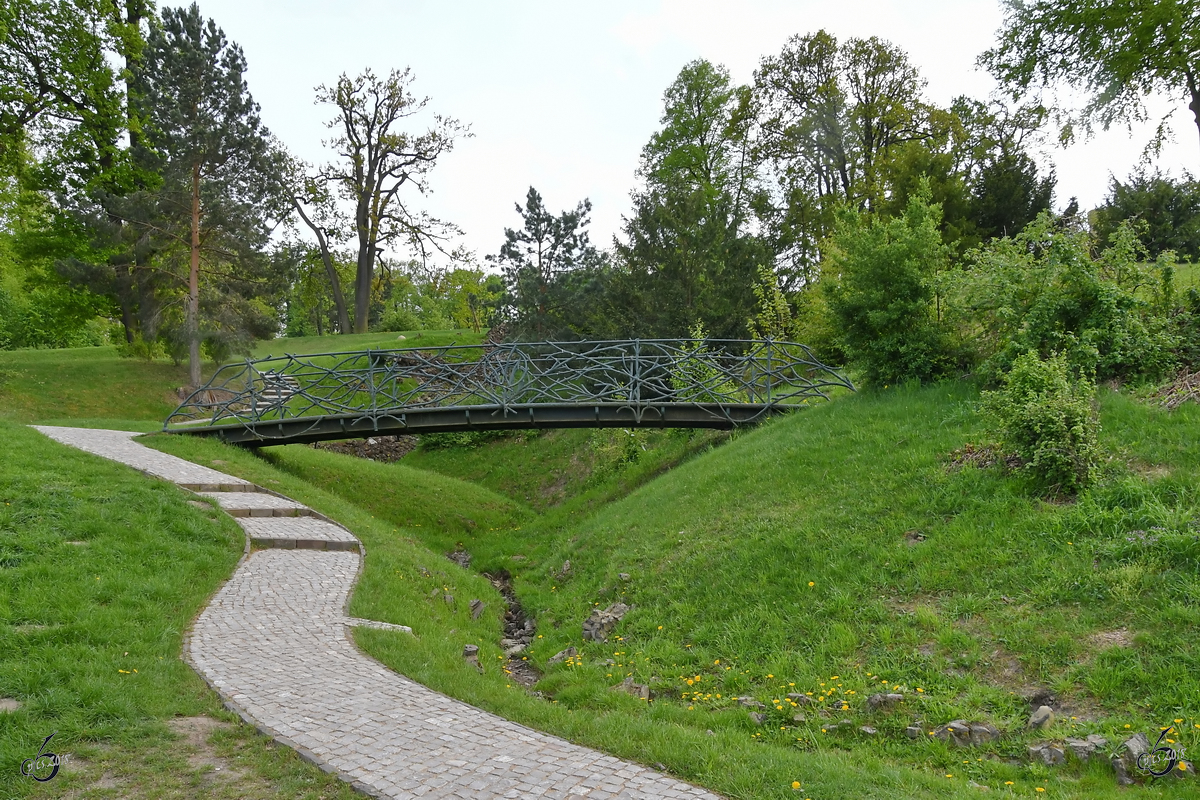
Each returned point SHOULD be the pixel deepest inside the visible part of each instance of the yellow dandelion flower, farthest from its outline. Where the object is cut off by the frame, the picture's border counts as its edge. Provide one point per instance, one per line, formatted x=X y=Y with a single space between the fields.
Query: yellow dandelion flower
x=795 y=784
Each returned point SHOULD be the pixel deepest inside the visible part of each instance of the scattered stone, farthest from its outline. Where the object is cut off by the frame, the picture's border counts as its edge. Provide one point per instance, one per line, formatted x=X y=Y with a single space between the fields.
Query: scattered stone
x=709 y=733
x=460 y=557
x=509 y=652
x=1048 y=753
x=477 y=607
x=424 y=572
x=868 y=730
x=978 y=786
x=800 y=699
x=1124 y=761
x=1098 y=740
x=1042 y=718
x=518 y=558
x=749 y=702
x=564 y=572
x=471 y=655
x=449 y=598
x=913 y=732
x=401 y=338
x=1082 y=749
x=846 y=723
x=600 y=624
x=1038 y=697
x=7 y=704
x=982 y=733
x=563 y=655
x=623 y=576
x=884 y=702
x=629 y=687
x=957 y=733
x=799 y=718
x=758 y=718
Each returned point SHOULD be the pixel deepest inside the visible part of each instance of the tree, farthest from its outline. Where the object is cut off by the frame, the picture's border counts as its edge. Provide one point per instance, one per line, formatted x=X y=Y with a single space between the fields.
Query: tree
x=832 y=116
x=326 y=223
x=221 y=178
x=377 y=161
x=689 y=254
x=545 y=265
x=53 y=73
x=1117 y=51
x=1169 y=211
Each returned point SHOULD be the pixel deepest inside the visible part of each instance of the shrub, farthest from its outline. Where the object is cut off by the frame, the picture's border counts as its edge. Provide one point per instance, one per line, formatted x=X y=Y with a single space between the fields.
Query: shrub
x=1044 y=290
x=1046 y=417
x=882 y=284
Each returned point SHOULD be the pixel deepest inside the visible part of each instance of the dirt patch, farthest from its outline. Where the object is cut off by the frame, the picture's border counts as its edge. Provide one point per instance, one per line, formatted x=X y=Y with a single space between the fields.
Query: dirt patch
x=980 y=457
x=1150 y=471
x=1105 y=640
x=201 y=755
x=375 y=448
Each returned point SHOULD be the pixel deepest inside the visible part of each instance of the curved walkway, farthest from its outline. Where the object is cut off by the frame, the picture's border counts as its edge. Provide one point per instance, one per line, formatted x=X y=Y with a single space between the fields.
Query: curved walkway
x=274 y=643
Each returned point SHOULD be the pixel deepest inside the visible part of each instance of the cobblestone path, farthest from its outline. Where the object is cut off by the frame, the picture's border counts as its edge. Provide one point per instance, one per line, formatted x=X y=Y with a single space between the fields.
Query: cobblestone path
x=274 y=643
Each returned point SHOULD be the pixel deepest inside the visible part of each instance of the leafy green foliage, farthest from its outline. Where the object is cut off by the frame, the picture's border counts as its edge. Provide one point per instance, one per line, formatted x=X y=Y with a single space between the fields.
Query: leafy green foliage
x=1043 y=290
x=1046 y=416
x=1107 y=50
x=885 y=295
x=1168 y=211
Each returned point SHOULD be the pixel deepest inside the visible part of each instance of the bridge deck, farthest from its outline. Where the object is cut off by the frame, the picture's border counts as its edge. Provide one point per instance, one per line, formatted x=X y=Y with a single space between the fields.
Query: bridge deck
x=482 y=418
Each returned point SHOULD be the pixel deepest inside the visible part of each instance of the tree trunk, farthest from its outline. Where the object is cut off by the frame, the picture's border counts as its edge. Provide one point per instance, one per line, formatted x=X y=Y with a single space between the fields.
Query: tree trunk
x=362 y=287
x=1194 y=90
x=335 y=283
x=193 y=300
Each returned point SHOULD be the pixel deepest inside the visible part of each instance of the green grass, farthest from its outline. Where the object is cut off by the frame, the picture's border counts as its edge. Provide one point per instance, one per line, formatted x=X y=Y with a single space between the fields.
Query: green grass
x=101 y=570
x=1006 y=594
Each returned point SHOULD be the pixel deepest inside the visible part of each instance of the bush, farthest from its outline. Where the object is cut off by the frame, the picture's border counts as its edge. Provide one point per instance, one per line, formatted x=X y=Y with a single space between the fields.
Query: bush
x=1043 y=290
x=881 y=281
x=1046 y=417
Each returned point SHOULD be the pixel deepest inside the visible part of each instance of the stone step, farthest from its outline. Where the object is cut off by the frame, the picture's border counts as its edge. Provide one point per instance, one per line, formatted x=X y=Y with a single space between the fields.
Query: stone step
x=257 y=504
x=297 y=533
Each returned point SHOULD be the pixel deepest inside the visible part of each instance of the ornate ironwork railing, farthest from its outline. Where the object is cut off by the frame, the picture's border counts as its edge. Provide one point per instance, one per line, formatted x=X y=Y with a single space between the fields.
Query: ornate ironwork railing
x=712 y=376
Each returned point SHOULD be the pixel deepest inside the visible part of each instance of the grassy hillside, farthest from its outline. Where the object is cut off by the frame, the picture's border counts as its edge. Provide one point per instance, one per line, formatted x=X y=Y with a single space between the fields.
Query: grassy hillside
x=833 y=552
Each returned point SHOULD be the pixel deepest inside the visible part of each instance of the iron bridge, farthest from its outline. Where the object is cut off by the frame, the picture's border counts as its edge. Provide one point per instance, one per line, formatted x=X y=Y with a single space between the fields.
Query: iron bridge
x=655 y=383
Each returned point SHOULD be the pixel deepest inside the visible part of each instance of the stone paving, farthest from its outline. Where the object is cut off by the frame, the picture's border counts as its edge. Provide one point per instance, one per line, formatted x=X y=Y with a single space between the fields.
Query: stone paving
x=274 y=643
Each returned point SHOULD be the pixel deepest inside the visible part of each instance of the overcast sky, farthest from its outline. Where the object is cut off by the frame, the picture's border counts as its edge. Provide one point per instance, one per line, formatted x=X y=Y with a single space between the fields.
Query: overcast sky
x=563 y=95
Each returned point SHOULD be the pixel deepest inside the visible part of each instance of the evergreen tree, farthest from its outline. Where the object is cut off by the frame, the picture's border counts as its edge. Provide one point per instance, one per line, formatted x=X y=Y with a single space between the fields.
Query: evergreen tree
x=221 y=179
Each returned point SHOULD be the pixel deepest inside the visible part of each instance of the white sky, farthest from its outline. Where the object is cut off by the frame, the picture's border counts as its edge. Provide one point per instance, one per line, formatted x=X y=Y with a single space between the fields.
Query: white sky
x=563 y=95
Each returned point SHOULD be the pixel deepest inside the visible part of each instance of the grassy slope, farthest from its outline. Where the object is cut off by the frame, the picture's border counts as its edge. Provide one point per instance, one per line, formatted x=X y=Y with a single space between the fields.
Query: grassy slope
x=1004 y=595
x=405 y=578
x=101 y=570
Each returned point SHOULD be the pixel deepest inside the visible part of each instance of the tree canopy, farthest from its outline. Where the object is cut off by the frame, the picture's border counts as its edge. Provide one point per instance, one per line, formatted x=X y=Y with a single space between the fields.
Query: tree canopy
x=1118 y=52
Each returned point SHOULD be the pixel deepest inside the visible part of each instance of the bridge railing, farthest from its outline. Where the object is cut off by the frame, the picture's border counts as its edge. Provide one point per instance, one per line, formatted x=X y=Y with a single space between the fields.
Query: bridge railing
x=633 y=374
